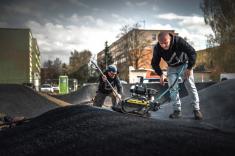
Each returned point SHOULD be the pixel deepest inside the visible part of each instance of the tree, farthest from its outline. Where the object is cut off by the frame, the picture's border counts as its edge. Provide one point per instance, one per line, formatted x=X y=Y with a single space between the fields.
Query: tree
x=79 y=65
x=81 y=74
x=108 y=57
x=57 y=65
x=78 y=59
x=138 y=49
x=93 y=72
x=48 y=64
x=220 y=15
x=65 y=69
x=53 y=68
x=131 y=49
x=134 y=45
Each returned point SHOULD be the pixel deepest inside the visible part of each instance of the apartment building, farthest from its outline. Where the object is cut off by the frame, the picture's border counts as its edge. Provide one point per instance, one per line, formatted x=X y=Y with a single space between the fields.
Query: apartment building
x=19 y=57
x=133 y=49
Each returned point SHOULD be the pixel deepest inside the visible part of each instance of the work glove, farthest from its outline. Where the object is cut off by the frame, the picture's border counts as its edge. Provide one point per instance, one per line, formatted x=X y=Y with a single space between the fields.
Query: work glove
x=104 y=78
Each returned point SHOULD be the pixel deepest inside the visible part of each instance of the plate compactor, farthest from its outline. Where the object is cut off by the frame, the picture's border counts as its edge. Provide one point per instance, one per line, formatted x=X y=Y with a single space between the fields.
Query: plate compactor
x=140 y=102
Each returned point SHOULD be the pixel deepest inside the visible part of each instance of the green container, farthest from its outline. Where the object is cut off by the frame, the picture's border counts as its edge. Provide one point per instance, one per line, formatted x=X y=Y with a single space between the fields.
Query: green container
x=64 y=84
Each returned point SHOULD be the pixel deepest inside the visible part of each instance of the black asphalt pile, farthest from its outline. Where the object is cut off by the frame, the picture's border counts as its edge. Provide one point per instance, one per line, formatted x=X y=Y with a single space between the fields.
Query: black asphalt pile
x=83 y=95
x=18 y=100
x=85 y=130
x=217 y=104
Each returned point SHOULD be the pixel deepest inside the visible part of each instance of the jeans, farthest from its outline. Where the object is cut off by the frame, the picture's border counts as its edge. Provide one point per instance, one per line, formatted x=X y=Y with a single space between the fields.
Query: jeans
x=100 y=98
x=172 y=74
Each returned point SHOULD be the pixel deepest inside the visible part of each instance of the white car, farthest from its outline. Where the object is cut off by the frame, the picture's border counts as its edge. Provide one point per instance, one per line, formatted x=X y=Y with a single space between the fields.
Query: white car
x=157 y=80
x=46 y=88
x=151 y=80
x=56 y=89
x=123 y=82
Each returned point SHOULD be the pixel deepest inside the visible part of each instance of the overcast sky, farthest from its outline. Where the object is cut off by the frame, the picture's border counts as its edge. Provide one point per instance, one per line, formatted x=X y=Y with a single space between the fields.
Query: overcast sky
x=61 y=26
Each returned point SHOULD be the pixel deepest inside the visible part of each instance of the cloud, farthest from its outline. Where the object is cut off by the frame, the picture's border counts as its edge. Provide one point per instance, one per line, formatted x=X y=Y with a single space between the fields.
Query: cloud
x=139 y=4
x=19 y=9
x=79 y=3
x=191 y=27
x=123 y=20
x=90 y=33
x=80 y=25
x=183 y=20
x=3 y=24
x=59 y=40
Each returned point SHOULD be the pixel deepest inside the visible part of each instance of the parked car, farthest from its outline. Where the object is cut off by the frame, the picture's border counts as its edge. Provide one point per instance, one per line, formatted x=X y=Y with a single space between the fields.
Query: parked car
x=151 y=80
x=123 y=82
x=56 y=89
x=227 y=76
x=46 y=88
x=157 y=80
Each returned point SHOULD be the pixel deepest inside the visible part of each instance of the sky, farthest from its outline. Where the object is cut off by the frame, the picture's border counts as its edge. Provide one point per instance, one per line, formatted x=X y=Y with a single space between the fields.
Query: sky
x=61 y=26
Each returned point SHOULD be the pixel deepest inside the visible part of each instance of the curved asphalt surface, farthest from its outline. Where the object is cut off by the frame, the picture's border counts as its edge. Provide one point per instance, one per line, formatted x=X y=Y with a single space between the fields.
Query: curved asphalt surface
x=217 y=105
x=86 y=130
x=18 y=100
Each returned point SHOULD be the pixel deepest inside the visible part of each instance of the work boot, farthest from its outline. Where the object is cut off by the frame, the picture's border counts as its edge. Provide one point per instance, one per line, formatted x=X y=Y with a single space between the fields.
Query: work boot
x=197 y=115
x=175 y=115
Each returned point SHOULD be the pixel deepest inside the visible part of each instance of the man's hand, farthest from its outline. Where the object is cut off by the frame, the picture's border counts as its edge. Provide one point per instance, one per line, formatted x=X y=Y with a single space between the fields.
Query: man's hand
x=104 y=78
x=162 y=78
x=188 y=73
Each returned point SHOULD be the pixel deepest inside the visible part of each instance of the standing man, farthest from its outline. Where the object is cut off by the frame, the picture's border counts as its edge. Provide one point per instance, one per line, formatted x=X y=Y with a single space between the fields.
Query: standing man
x=105 y=90
x=176 y=52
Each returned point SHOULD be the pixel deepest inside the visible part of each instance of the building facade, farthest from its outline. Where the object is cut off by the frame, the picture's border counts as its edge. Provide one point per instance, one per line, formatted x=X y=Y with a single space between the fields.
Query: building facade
x=19 y=57
x=134 y=49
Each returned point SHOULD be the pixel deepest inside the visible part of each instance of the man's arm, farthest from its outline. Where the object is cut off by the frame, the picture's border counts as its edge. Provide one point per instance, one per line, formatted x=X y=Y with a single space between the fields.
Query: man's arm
x=156 y=61
x=190 y=51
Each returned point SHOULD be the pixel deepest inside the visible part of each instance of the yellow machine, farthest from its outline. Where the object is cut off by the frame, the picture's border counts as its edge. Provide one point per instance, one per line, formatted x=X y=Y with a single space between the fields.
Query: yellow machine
x=141 y=101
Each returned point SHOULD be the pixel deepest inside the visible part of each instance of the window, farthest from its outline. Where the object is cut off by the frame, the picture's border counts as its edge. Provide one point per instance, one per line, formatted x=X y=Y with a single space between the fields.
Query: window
x=154 y=37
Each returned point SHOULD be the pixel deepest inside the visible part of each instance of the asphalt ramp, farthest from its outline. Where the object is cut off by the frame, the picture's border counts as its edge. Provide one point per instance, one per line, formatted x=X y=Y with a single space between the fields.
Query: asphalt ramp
x=18 y=100
x=217 y=104
x=85 y=130
x=83 y=95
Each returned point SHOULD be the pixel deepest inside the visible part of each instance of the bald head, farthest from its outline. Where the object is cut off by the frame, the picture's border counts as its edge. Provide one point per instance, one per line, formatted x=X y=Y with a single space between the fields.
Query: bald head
x=163 y=35
x=164 y=39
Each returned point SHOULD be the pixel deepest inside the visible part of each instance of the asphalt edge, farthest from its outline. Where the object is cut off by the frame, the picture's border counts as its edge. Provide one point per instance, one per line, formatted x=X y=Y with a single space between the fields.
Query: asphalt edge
x=55 y=100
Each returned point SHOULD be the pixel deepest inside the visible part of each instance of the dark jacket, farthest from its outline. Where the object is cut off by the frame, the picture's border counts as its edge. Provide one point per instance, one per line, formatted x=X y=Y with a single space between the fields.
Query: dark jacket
x=104 y=86
x=179 y=52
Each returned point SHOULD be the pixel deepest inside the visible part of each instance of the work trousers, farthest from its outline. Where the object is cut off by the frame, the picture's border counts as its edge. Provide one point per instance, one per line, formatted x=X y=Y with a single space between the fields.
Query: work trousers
x=172 y=74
